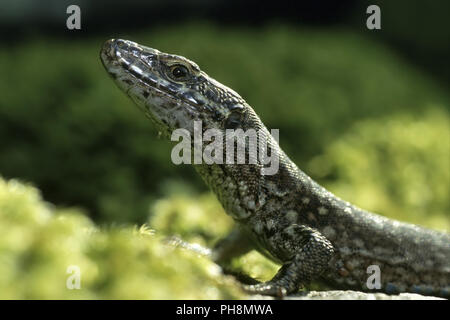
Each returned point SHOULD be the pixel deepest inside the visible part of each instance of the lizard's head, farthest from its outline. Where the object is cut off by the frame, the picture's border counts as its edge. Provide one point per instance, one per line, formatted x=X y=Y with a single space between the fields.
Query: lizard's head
x=171 y=89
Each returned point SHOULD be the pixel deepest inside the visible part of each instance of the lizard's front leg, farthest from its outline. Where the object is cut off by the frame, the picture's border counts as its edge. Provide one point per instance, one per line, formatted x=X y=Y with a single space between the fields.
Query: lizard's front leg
x=310 y=257
x=235 y=244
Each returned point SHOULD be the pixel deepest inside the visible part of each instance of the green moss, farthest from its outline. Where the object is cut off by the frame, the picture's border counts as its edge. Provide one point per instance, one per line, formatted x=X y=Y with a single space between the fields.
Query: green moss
x=39 y=243
x=200 y=218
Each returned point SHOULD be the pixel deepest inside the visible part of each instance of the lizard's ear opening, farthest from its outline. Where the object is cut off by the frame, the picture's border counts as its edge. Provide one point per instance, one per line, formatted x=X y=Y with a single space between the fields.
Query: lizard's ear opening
x=233 y=121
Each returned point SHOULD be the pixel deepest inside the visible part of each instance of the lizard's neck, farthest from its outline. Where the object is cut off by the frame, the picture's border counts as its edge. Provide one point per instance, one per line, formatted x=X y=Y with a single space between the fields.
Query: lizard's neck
x=244 y=190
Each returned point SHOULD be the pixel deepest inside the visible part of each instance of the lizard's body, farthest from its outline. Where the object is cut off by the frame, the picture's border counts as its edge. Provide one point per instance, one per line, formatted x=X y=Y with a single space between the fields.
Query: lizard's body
x=289 y=217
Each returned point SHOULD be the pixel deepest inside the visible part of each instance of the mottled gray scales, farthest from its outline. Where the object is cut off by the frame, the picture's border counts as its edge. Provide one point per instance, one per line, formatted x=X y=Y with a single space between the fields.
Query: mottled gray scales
x=287 y=216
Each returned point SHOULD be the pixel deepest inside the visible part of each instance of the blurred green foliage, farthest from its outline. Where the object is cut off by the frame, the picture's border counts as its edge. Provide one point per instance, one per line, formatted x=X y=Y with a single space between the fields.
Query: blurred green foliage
x=65 y=126
x=39 y=243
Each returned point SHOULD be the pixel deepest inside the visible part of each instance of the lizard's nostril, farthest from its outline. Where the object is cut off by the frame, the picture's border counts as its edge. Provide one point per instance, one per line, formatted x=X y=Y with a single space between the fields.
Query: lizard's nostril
x=115 y=44
x=121 y=44
x=114 y=47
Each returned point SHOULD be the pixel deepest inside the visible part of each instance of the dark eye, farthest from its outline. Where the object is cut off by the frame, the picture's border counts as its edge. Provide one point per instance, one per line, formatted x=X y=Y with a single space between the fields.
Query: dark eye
x=179 y=72
x=233 y=121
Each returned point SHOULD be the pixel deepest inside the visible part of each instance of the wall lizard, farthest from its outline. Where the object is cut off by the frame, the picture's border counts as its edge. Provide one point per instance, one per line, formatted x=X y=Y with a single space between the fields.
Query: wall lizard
x=287 y=216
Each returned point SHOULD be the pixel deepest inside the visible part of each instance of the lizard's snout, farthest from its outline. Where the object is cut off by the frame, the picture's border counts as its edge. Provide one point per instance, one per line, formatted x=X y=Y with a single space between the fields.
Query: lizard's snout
x=119 y=49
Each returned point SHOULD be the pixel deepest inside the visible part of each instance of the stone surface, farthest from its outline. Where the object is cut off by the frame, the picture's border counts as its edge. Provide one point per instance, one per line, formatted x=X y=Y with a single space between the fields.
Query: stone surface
x=356 y=295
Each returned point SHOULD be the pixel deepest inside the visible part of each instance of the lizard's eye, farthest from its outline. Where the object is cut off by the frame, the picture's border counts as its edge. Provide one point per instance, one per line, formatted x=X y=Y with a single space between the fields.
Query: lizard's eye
x=179 y=72
x=233 y=121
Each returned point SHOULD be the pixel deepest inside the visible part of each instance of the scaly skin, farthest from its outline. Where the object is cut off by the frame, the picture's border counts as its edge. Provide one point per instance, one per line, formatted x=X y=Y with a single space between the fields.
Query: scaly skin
x=287 y=216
